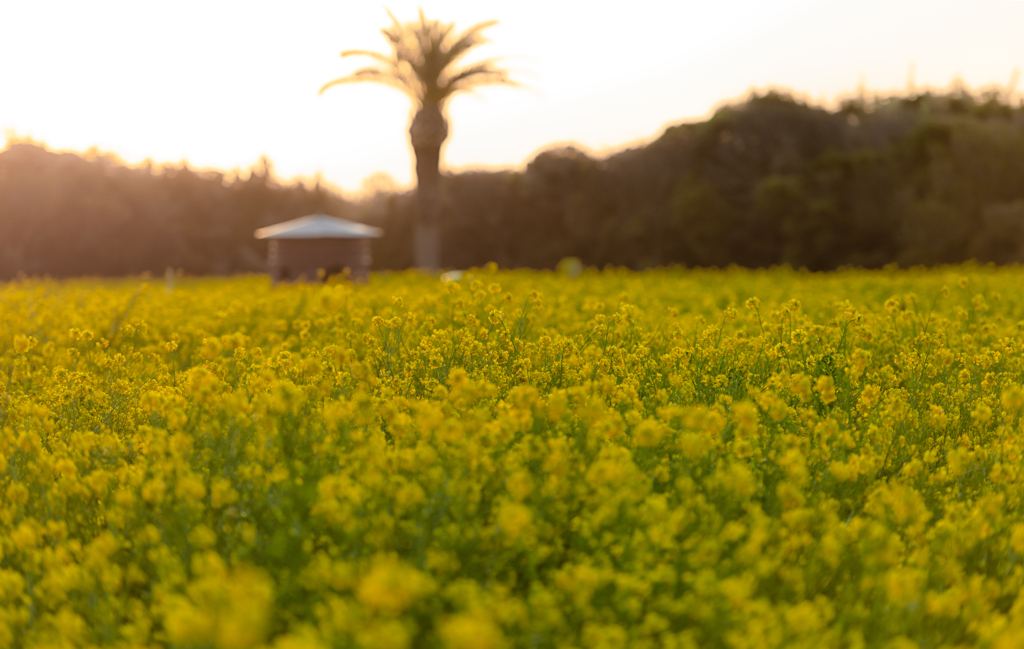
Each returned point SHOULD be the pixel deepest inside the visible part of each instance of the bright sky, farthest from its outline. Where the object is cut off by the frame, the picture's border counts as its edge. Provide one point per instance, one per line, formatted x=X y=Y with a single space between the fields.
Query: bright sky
x=221 y=83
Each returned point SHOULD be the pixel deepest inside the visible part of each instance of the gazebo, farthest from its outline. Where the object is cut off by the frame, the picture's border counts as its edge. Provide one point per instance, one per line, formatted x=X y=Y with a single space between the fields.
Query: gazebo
x=303 y=247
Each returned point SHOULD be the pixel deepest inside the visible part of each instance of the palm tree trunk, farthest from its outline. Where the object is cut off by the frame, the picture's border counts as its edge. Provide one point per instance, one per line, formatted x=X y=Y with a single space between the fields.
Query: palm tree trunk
x=428 y=131
x=427 y=235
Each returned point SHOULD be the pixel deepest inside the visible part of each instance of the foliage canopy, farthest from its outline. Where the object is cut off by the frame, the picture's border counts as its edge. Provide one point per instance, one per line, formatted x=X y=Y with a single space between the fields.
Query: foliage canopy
x=422 y=55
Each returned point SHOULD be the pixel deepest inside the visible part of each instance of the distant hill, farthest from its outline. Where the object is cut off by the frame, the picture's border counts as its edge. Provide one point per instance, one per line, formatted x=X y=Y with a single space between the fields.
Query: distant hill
x=923 y=179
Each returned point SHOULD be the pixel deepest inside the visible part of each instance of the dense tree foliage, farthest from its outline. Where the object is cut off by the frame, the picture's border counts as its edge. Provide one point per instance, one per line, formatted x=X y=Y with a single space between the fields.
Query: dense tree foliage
x=63 y=214
x=925 y=179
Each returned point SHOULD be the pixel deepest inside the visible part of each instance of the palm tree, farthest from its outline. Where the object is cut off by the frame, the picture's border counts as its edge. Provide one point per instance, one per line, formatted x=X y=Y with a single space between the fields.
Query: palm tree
x=420 y=65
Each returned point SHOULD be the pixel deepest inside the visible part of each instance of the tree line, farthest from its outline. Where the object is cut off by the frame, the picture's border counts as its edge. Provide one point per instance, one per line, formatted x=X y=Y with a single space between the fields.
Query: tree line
x=64 y=214
x=917 y=179
x=913 y=180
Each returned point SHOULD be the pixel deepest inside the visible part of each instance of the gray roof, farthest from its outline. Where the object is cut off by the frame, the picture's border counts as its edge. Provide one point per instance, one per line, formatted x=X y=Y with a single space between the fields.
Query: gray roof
x=319 y=226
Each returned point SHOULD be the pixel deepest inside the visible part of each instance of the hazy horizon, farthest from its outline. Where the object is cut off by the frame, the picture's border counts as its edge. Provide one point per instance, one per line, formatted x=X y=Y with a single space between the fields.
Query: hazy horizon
x=221 y=91
x=379 y=179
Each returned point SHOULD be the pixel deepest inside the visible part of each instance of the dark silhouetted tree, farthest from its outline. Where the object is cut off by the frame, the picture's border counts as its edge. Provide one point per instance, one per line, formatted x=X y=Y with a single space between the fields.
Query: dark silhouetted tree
x=420 y=64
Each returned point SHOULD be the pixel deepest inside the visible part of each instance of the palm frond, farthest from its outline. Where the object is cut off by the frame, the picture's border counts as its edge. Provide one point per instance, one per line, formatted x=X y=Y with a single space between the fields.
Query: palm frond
x=422 y=56
x=480 y=74
x=476 y=69
x=469 y=39
x=374 y=75
x=395 y=34
x=371 y=54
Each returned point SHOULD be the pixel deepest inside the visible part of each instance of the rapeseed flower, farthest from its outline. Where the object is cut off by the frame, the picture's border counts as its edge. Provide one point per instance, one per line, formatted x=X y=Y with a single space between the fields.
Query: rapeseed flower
x=510 y=460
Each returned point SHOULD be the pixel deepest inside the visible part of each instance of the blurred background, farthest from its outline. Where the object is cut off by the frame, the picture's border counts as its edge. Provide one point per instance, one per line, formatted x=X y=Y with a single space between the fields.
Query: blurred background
x=820 y=134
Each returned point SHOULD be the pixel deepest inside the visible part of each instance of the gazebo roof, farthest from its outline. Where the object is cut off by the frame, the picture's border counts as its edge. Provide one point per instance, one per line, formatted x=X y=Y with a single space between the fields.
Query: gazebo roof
x=319 y=226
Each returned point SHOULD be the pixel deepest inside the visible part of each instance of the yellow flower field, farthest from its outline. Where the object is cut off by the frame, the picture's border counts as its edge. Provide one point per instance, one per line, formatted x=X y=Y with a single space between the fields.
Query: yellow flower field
x=519 y=459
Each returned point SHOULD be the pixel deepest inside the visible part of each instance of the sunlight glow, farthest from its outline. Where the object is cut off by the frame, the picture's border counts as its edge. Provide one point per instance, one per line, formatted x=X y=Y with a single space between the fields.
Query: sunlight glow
x=221 y=84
